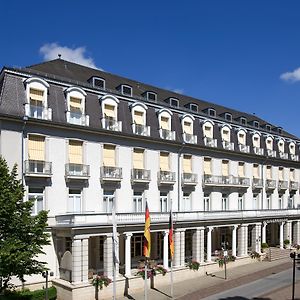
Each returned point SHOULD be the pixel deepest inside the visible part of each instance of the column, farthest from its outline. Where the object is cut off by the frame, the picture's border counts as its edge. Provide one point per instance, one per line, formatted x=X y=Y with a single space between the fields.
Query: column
x=281 y=234
x=242 y=240
x=296 y=235
x=182 y=247
x=176 y=248
x=166 y=249
x=255 y=238
x=196 y=244
x=264 y=232
x=80 y=260
x=287 y=231
x=108 y=264
x=234 y=240
x=97 y=251
x=246 y=239
x=202 y=245
x=208 y=254
x=128 y=254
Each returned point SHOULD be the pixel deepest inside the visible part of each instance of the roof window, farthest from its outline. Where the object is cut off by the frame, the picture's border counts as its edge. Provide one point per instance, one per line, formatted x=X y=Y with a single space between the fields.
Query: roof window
x=193 y=107
x=126 y=90
x=211 y=112
x=228 y=117
x=268 y=127
x=174 y=102
x=98 y=82
x=151 y=96
x=255 y=124
x=243 y=120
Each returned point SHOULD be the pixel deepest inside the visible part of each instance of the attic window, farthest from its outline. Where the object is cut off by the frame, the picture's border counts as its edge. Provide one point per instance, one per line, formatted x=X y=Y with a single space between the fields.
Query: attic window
x=268 y=127
x=98 y=82
x=211 y=112
x=194 y=107
x=126 y=90
x=256 y=124
x=174 y=102
x=151 y=96
x=279 y=130
x=228 y=117
x=243 y=120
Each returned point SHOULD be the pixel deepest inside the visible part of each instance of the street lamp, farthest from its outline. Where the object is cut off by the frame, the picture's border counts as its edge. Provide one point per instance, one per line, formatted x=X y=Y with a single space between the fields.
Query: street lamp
x=225 y=254
x=45 y=274
x=293 y=256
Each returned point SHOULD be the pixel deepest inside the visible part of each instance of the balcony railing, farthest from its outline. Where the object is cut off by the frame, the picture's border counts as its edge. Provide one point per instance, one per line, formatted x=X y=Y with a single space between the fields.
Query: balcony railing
x=189 y=138
x=111 y=124
x=283 y=185
x=108 y=173
x=225 y=180
x=78 y=118
x=283 y=155
x=209 y=142
x=270 y=184
x=294 y=186
x=77 y=171
x=244 y=148
x=38 y=112
x=271 y=153
x=258 y=151
x=257 y=183
x=189 y=179
x=140 y=175
x=167 y=134
x=166 y=177
x=38 y=168
x=294 y=157
x=141 y=129
x=228 y=145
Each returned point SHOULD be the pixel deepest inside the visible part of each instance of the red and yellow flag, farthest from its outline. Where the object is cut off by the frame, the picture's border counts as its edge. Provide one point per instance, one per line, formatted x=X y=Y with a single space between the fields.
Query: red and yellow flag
x=147 y=234
x=171 y=239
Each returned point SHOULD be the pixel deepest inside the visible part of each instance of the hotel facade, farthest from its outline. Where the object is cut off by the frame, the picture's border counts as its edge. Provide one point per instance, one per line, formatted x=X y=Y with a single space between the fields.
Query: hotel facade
x=86 y=141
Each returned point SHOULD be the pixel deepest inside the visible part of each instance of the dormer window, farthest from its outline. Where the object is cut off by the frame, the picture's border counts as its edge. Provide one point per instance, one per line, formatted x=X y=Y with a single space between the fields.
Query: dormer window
x=268 y=127
x=281 y=146
x=256 y=144
x=165 y=124
x=188 y=129
x=126 y=90
x=243 y=121
x=98 y=82
x=174 y=102
x=241 y=135
x=255 y=124
x=279 y=129
x=211 y=112
x=208 y=134
x=138 y=111
x=151 y=96
x=225 y=134
x=193 y=107
x=292 y=148
x=269 y=143
x=228 y=117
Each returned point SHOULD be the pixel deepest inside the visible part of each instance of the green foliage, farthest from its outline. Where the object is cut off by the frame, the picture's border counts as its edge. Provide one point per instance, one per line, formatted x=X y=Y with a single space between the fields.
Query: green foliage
x=27 y=295
x=22 y=236
x=100 y=280
x=193 y=265
x=264 y=245
x=286 y=242
x=254 y=255
x=221 y=260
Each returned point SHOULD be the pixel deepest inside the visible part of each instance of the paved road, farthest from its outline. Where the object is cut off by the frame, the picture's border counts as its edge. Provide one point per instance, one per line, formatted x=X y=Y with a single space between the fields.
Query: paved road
x=257 y=288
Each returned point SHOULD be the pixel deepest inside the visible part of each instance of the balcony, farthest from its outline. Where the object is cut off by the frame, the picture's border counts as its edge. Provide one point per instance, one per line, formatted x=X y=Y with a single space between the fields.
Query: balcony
x=271 y=153
x=167 y=134
x=283 y=155
x=78 y=118
x=294 y=186
x=140 y=176
x=111 y=124
x=110 y=174
x=258 y=151
x=166 y=177
x=294 y=157
x=283 y=185
x=209 y=142
x=77 y=171
x=212 y=180
x=189 y=138
x=228 y=145
x=38 y=112
x=141 y=129
x=189 y=179
x=244 y=148
x=257 y=183
x=270 y=184
x=37 y=168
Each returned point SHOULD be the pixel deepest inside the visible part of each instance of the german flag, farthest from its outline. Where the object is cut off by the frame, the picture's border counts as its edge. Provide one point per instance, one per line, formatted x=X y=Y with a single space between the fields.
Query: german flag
x=147 y=235
x=171 y=239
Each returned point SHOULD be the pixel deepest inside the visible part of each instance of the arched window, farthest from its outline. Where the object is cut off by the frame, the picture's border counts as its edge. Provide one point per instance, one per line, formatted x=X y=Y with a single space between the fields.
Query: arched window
x=187 y=123
x=138 y=113
x=208 y=133
x=165 y=124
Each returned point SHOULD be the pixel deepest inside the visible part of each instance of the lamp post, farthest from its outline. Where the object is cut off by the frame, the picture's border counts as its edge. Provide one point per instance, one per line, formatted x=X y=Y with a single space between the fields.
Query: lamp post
x=293 y=256
x=225 y=254
x=46 y=274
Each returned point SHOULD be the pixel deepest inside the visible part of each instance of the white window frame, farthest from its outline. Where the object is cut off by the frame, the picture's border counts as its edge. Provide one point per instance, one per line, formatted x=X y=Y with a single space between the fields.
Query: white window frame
x=292 y=148
x=108 y=200
x=164 y=201
x=37 y=197
x=76 y=92
x=109 y=100
x=172 y=99
x=195 y=106
x=139 y=107
x=165 y=113
x=280 y=145
x=226 y=128
x=209 y=124
x=255 y=124
x=151 y=93
x=206 y=202
x=98 y=78
x=37 y=84
x=211 y=112
x=188 y=119
x=268 y=201
x=228 y=117
x=240 y=202
x=243 y=121
x=126 y=86
x=72 y=201
x=255 y=201
x=225 y=202
x=138 y=201
x=187 y=201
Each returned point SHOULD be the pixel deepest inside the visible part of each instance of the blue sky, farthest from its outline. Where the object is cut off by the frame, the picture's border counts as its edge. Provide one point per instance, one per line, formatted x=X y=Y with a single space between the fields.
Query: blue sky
x=240 y=54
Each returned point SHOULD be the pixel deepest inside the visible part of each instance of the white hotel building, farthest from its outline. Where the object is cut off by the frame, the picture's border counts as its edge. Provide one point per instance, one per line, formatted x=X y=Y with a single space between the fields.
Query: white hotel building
x=84 y=139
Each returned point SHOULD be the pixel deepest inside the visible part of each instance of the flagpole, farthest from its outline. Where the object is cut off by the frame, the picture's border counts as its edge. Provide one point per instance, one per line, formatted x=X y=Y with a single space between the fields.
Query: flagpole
x=115 y=253
x=172 y=288
x=145 y=281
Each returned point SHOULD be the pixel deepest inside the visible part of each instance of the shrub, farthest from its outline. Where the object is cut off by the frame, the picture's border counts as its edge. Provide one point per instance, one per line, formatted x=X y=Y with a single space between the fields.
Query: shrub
x=29 y=295
x=264 y=245
x=100 y=281
x=286 y=242
x=193 y=265
x=255 y=254
x=151 y=272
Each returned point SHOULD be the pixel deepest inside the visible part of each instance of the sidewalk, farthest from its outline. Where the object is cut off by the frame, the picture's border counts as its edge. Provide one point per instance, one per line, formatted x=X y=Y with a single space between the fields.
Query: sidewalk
x=205 y=286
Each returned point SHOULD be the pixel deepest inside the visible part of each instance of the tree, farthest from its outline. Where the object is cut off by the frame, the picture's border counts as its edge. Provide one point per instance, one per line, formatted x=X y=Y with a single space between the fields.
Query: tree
x=22 y=236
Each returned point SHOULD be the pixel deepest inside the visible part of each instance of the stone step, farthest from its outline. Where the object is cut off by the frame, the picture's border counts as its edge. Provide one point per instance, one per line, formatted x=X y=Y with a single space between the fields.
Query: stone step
x=276 y=253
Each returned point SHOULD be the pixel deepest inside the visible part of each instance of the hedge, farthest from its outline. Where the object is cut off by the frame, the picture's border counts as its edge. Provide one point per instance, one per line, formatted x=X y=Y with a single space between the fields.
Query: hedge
x=30 y=295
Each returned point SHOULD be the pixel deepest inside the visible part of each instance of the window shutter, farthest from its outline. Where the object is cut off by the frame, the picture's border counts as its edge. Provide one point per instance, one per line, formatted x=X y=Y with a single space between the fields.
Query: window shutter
x=75 y=104
x=208 y=131
x=268 y=173
x=242 y=138
x=75 y=152
x=109 y=155
x=36 y=147
x=187 y=164
x=109 y=111
x=164 y=123
x=164 y=161
x=241 y=169
x=187 y=127
x=207 y=166
x=138 y=159
x=36 y=95
x=255 y=171
x=225 y=168
x=138 y=118
x=226 y=135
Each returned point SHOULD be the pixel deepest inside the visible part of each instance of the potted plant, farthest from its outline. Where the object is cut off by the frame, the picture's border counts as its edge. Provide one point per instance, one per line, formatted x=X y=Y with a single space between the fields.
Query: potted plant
x=255 y=255
x=98 y=282
x=193 y=265
x=286 y=243
x=264 y=247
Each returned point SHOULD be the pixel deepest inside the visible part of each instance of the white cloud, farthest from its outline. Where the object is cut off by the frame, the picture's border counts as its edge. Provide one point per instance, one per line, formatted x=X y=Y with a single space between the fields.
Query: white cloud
x=77 y=55
x=291 y=76
x=178 y=91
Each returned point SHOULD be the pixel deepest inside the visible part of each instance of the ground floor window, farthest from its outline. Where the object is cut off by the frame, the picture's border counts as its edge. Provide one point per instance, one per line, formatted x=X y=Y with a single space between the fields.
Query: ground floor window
x=37 y=196
x=137 y=245
x=108 y=200
x=137 y=201
x=74 y=204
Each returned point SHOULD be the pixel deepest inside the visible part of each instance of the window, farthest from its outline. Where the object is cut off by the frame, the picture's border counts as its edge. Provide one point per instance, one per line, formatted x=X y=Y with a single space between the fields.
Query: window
x=242 y=137
x=269 y=143
x=74 y=203
x=269 y=172
x=224 y=202
x=279 y=130
x=75 y=152
x=243 y=121
x=174 y=102
x=36 y=147
x=255 y=201
x=163 y=202
x=193 y=107
x=137 y=245
x=255 y=124
x=225 y=134
x=280 y=203
x=126 y=90
x=206 y=204
x=256 y=141
x=109 y=155
x=108 y=200
x=36 y=103
x=292 y=174
x=256 y=171
x=225 y=168
x=292 y=148
x=151 y=96
x=280 y=173
x=164 y=161
x=228 y=117
x=268 y=127
x=187 y=163
x=99 y=82
x=291 y=202
x=37 y=196
x=137 y=201
x=241 y=169
x=75 y=97
x=187 y=203
x=240 y=202
x=211 y=112
x=208 y=130
x=165 y=124
x=138 y=158
x=187 y=127
x=268 y=200
x=281 y=146
x=207 y=165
